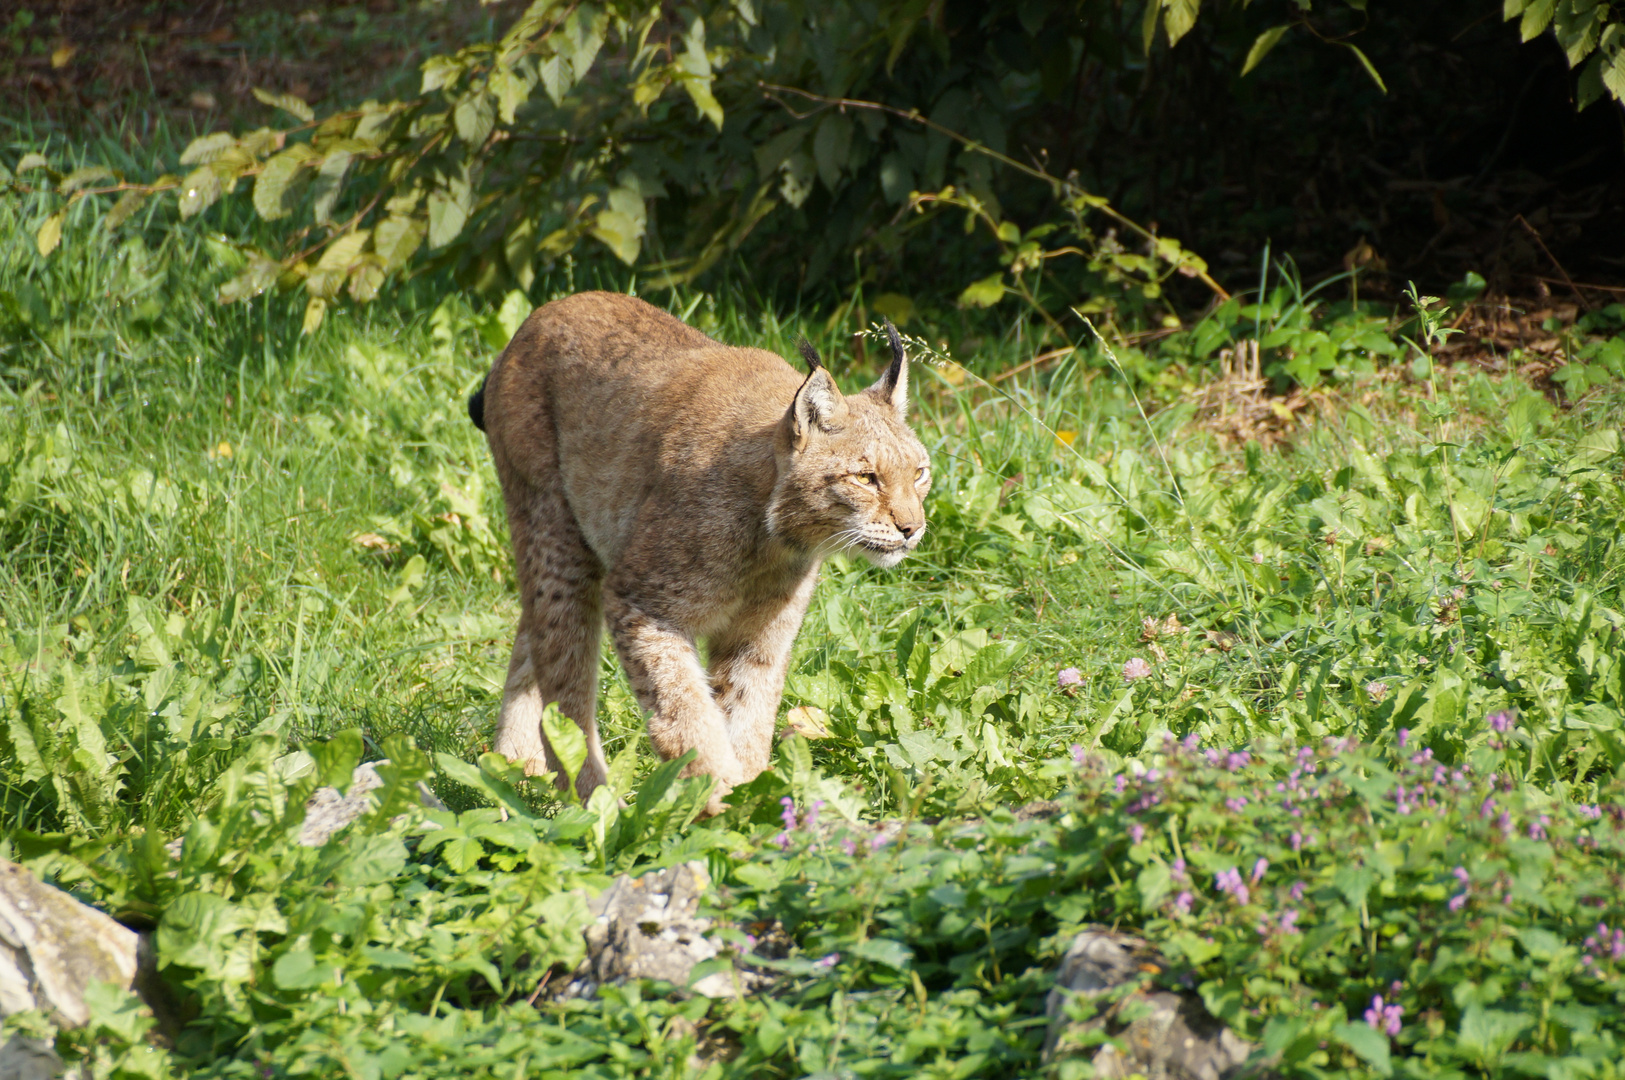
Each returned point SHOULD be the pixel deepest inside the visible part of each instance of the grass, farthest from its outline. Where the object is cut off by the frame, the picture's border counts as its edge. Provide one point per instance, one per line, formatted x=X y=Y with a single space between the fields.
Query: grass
x=227 y=542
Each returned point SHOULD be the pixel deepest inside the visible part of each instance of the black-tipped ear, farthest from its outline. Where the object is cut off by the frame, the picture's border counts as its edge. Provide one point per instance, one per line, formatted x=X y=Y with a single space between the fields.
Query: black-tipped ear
x=818 y=406
x=892 y=387
x=810 y=354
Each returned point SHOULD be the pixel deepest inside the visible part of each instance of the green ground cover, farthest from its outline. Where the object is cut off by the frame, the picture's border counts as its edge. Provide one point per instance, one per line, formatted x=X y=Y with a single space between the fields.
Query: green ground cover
x=1329 y=722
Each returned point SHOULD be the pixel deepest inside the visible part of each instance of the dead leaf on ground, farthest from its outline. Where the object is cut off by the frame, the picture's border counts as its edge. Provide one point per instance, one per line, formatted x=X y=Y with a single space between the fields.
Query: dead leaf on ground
x=808 y=721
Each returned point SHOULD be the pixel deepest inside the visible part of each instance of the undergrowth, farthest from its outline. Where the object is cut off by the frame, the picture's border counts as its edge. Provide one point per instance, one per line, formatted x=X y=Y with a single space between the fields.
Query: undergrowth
x=1332 y=722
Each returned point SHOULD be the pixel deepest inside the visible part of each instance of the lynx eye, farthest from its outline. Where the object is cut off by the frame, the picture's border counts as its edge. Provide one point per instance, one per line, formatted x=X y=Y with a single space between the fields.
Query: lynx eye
x=865 y=479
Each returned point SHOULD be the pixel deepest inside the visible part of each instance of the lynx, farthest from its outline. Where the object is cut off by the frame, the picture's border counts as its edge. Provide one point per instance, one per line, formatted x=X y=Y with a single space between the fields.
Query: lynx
x=684 y=491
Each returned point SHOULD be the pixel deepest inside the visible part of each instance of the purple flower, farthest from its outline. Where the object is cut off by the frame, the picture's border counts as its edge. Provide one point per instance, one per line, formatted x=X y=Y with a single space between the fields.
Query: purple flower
x=1259 y=869
x=788 y=815
x=849 y=846
x=1182 y=902
x=1192 y=741
x=1136 y=668
x=1297 y=840
x=1404 y=737
x=1068 y=677
x=1462 y=875
x=812 y=814
x=1136 y=832
x=1213 y=756
x=1385 y=1018
x=1590 y=813
x=1289 y=921
x=1229 y=881
x=1119 y=784
x=1500 y=721
x=1458 y=901
x=828 y=961
x=1079 y=755
x=1177 y=871
x=783 y=840
x=1237 y=760
x=1235 y=803
x=1296 y=892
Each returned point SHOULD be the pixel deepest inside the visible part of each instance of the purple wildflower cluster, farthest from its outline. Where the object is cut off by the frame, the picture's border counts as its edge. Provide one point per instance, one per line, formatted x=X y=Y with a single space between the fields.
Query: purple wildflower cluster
x=1385 y=1018
x=1229 y=882
x=788 y=816
x=1459 y=901
x=1604 y=944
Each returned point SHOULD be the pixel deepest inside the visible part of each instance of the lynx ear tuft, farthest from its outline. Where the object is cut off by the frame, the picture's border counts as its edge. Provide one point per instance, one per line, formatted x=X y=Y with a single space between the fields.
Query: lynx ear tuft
x=892 y=387
x=810 y=354
x=818 y=406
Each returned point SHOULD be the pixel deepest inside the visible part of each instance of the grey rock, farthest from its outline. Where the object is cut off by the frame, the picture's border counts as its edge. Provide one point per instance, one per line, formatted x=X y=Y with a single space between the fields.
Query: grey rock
x=650 y=928
x=1163 y=1035
x=23 y=1058
x=52 y=948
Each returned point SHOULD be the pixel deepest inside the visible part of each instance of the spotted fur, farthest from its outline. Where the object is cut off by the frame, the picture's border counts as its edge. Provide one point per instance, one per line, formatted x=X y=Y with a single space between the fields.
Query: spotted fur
x=680 y=490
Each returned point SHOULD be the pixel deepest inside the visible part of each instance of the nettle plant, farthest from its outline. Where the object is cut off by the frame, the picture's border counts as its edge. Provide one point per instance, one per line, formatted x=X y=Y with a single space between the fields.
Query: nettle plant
x=1356 y=910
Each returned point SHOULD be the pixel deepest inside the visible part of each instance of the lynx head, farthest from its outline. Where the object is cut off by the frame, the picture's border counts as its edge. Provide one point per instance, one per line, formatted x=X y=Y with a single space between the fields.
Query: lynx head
x=851 y=475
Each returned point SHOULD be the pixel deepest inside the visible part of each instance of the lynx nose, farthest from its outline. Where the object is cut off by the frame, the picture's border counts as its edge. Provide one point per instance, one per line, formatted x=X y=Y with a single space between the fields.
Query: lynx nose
x=908 y=529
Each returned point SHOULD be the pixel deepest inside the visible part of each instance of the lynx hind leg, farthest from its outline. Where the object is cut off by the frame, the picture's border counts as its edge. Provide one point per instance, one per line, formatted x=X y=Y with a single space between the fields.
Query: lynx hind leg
x=556 y=649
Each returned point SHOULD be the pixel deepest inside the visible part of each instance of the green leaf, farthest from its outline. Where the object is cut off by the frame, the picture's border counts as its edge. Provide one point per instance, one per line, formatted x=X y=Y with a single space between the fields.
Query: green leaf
x=287 y=103
x=1262 y=45
x=622 y=224
x=984 y=293
x=1366 y=1041
x=78 y=178
x=568 y=743
x=371 y=860
x=556 y=79
x=1178 y=18
x=279 y=179
x=396 y=238
x=449 y=208
x=329 y=183
x=205 y=148
x=411 y=575
x=440 y=71
x=1537 y=15
x=474 y=118
x=893 y=954
x=194 y=929
x=199 y=191
x=1370 y=69
x=315 y=311
x=1487 y=1033
x=831 y=147
x=260 y=275
x=50 y=233
x=694 y=67
x=297 y=970
x=582 y=38
x=128 y=204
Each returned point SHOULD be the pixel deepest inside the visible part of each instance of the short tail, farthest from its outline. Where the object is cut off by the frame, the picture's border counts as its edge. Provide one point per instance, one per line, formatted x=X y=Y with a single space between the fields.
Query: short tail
x=476 y=407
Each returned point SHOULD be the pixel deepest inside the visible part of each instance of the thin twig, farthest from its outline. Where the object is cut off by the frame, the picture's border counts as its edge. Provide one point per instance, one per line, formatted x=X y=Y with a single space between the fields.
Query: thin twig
x=770 y=89
x=1041 y=358
x=1575 y=289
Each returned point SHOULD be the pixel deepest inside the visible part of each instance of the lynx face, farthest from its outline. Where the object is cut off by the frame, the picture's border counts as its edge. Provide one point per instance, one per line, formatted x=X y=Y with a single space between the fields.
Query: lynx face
x=852 y=476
